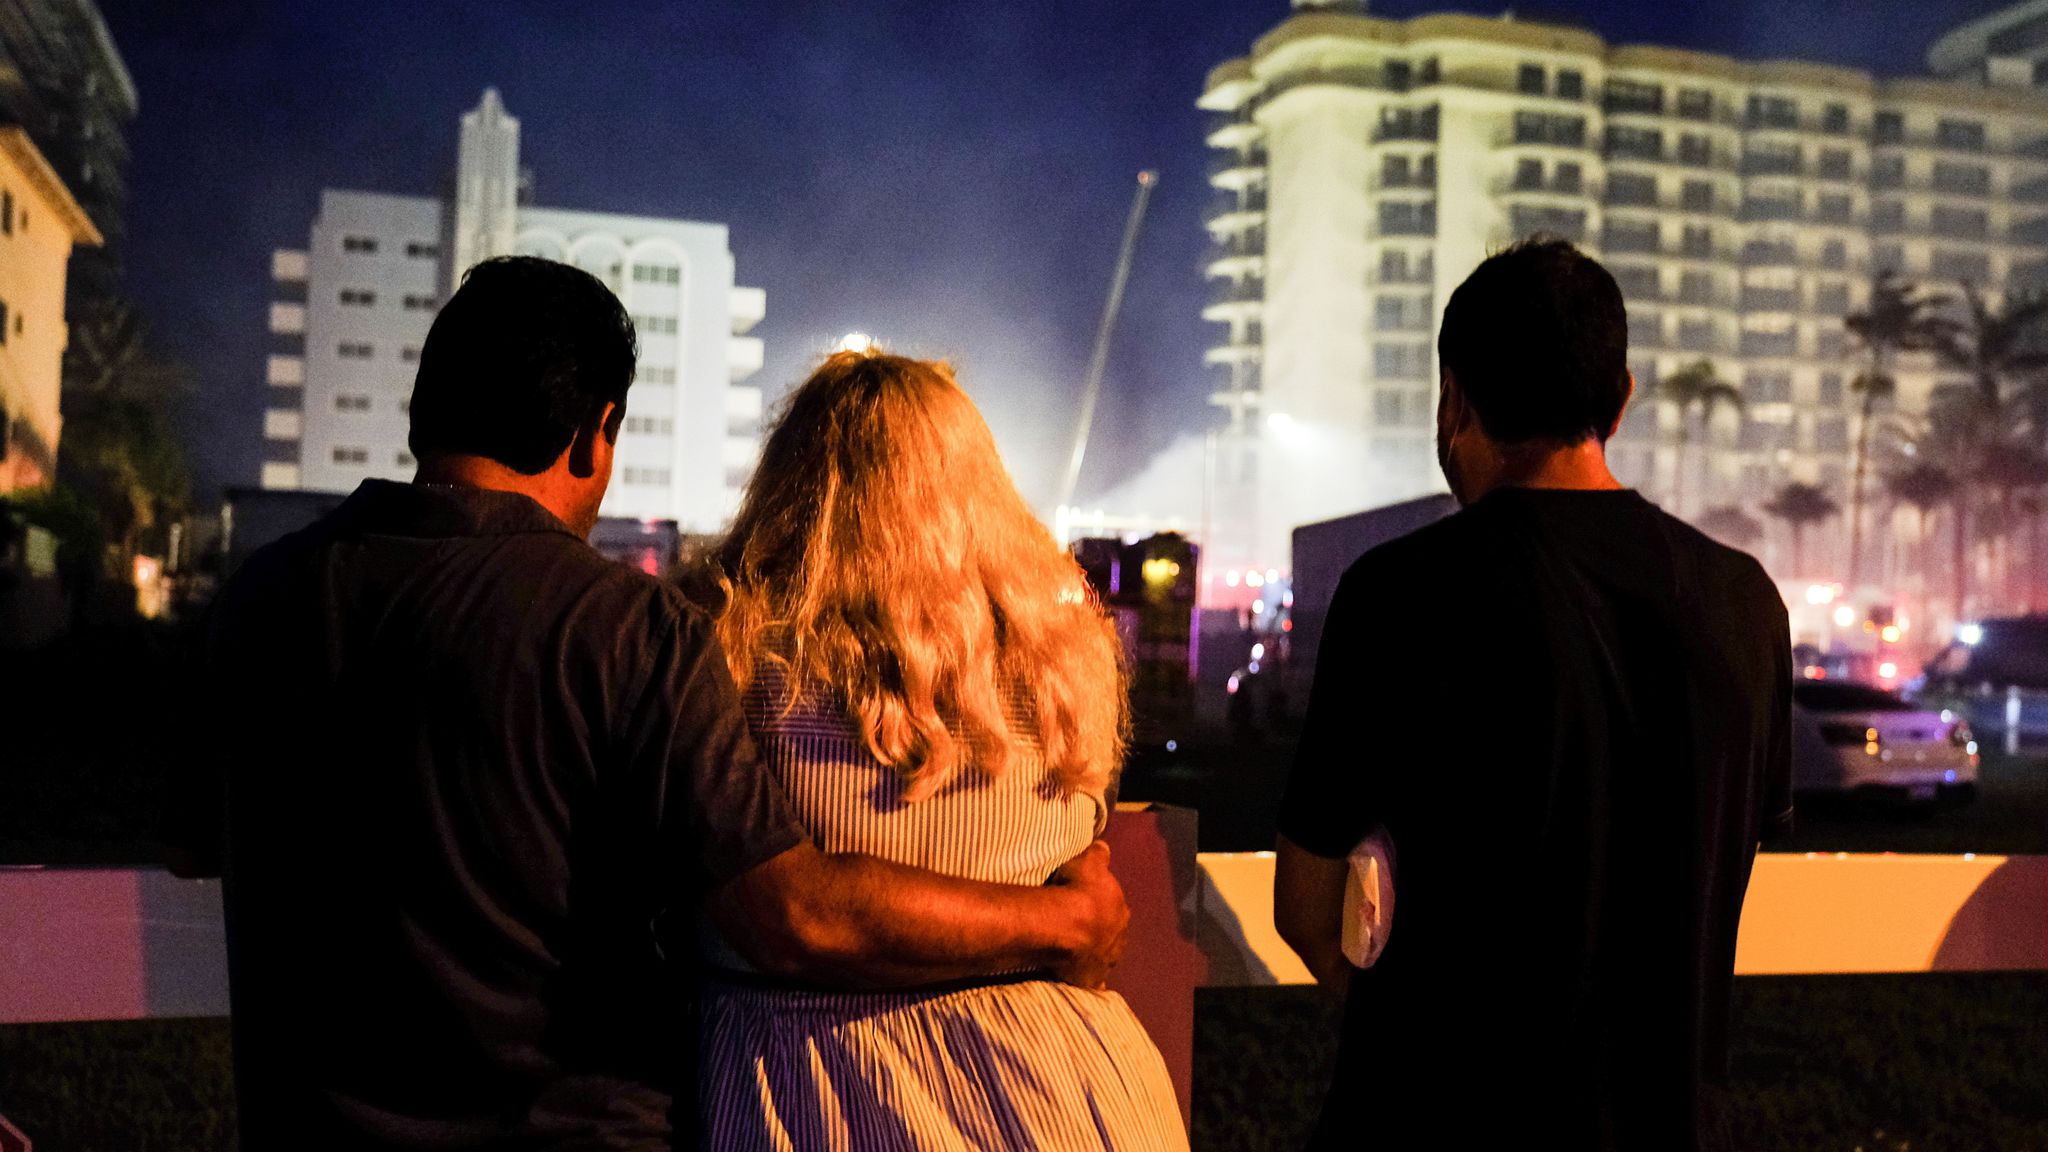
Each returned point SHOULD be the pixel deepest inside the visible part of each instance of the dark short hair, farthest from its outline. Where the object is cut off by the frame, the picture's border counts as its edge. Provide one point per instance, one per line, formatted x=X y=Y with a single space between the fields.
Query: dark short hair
x=1538 y=340
x=524 y=354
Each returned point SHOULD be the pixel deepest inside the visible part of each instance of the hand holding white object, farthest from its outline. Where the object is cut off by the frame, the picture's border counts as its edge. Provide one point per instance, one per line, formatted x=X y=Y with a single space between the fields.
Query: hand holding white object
x=1369 y=898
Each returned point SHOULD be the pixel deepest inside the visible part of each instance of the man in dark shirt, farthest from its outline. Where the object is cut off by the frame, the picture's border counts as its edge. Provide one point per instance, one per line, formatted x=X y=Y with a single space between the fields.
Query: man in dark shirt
x=471 y=765
x=1570 y=712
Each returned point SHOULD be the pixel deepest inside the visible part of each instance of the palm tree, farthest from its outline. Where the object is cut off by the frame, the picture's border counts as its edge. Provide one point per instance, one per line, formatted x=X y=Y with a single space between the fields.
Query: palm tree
x=1924 y=488
x=1692 y=388
x=1800 y=506
x=120 y=451
x=1731 y=526
x=2014 y=471
x=1897 y=319
x=1966 y=422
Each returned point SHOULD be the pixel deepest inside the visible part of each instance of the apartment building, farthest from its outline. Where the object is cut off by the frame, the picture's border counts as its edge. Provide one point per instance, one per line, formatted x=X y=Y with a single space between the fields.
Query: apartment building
x=1363 y=167
x=354 y=306
x=40 y=223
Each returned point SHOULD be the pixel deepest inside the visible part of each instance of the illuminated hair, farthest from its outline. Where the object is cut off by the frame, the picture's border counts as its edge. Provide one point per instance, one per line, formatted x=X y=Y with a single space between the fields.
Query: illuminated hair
x=882 y=552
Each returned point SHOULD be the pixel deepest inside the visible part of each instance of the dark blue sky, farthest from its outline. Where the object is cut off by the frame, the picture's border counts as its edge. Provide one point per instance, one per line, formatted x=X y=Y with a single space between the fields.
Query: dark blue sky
x=951 y=176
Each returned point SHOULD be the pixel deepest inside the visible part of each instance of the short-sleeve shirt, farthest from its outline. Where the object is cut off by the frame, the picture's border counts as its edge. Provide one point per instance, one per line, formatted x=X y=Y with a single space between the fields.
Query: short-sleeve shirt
x=469 y=762
x=1571 y=712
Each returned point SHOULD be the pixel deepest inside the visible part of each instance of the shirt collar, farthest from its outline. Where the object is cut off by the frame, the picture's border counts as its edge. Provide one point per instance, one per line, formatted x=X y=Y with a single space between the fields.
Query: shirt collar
x=389 y=507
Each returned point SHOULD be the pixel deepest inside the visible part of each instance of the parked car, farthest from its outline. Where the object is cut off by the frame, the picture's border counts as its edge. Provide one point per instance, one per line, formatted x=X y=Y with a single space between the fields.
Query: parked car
x=1867 y=741
x=1995 y=675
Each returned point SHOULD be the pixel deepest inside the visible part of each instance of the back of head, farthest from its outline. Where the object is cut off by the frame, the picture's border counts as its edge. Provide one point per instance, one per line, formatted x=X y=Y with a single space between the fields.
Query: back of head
x=882 y=552
x=1537 y=340
x=525 y=353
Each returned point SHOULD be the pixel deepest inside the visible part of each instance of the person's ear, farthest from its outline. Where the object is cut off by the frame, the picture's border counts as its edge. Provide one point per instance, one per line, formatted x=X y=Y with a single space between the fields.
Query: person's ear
x=600 y=431
x=1628 y=396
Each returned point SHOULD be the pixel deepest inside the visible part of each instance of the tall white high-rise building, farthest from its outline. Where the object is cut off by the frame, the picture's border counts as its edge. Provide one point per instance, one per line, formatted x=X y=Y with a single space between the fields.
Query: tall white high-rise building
x=1364 y=166
x=354 y=307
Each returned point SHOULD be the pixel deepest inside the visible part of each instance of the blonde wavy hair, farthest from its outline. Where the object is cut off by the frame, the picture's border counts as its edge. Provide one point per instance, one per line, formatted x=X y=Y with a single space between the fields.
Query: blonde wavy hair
x=882 y=551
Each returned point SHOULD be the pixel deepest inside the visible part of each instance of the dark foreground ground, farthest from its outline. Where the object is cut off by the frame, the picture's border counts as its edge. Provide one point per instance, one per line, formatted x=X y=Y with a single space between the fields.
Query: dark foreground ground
x=1923 y=1063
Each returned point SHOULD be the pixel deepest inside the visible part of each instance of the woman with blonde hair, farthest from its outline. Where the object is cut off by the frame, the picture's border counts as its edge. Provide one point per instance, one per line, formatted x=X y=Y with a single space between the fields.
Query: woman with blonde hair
x=928 y=678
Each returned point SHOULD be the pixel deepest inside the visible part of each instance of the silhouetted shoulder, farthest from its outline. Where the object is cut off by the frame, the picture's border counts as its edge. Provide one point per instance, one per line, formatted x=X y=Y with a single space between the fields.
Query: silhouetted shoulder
x=1725 y=573
x=1416 y=558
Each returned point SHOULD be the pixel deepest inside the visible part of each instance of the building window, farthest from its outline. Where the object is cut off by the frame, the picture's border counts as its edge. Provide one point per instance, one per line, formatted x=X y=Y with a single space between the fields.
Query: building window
x=1400 y=75
x=1771 y=158
x=1888 y=258
x=1888 y=215
x=650 y=425
x=1530 y=80
x=1962 y=179
x=1965 y=134
x=405 y=406
x=1698 y=240
x=358 y=297
x=656 y=476
x=1400 y=361
x=1567 y=223
x=1408 y=218
x=657 y=274
x=404 y=459
x=656 y=374
x=363 y=244
x=1696 y=287
x=1695 y=104
x=351 y=456
x=351 y=402
x=1970 y=267
x=1630 y=96
x=1400 y=171
x=1528 y=173
x=1888 y=128
x=422 y=251
x=420 y=303
x=1834 y=207
x=1696 y=150
x=656 y=325
x=409 y=354
x=1836 y=164
x=1398 y=267
x=1835 y=118
x=1960 y=223
x=1834 y=254
x=1773 y=112
x=1543 y=128
x=1637 y=281
x=1696 y=196
x=1630 y=236
x=1831 y=389
x=1631 y=188
x=1888 y=172
x=1571 y=84
x=354 y=351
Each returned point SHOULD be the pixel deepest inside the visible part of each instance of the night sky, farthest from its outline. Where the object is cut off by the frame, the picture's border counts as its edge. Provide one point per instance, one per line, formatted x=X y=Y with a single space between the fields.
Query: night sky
x=952 y=177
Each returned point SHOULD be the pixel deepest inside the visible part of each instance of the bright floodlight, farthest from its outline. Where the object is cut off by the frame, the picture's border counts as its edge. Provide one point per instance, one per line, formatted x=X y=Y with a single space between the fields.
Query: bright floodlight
x=1887 y=670
x=1971 y=634
x=1279 y=421
x=1845 y=616
x=855 y=342
x=1820 y=593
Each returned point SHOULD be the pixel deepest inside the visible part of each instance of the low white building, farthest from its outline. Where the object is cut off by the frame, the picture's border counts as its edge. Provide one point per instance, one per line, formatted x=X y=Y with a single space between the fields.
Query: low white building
x=355 y=305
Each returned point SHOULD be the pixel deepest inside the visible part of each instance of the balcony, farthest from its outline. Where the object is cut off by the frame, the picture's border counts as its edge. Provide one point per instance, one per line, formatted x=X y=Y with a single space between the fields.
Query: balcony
x=1702 y=339
x=1238 y=170
x=745 y=308
x=288 y=319
x=283 y=424
x=288 y=266
x=1233 y=213
x=1235 y=130
x=1242 y=255
x=285 y=372
x=1618 y=240
x=1633 y=104
x=1235 y=299
x=1248 y=352
x=743 y=357
x=2030 y=192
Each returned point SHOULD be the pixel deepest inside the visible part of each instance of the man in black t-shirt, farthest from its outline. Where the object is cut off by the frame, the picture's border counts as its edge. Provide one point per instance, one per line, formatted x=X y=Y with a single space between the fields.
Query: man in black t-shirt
x=1570 y=712
x=470 y=766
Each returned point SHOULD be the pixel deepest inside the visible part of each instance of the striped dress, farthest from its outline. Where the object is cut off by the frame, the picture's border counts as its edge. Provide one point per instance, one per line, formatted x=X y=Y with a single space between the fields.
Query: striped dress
x=1024 y=1065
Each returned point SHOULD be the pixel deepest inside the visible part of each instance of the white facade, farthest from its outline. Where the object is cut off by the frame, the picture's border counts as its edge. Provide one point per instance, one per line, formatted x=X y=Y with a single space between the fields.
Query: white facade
x=356 y=304
x=1365 y=166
